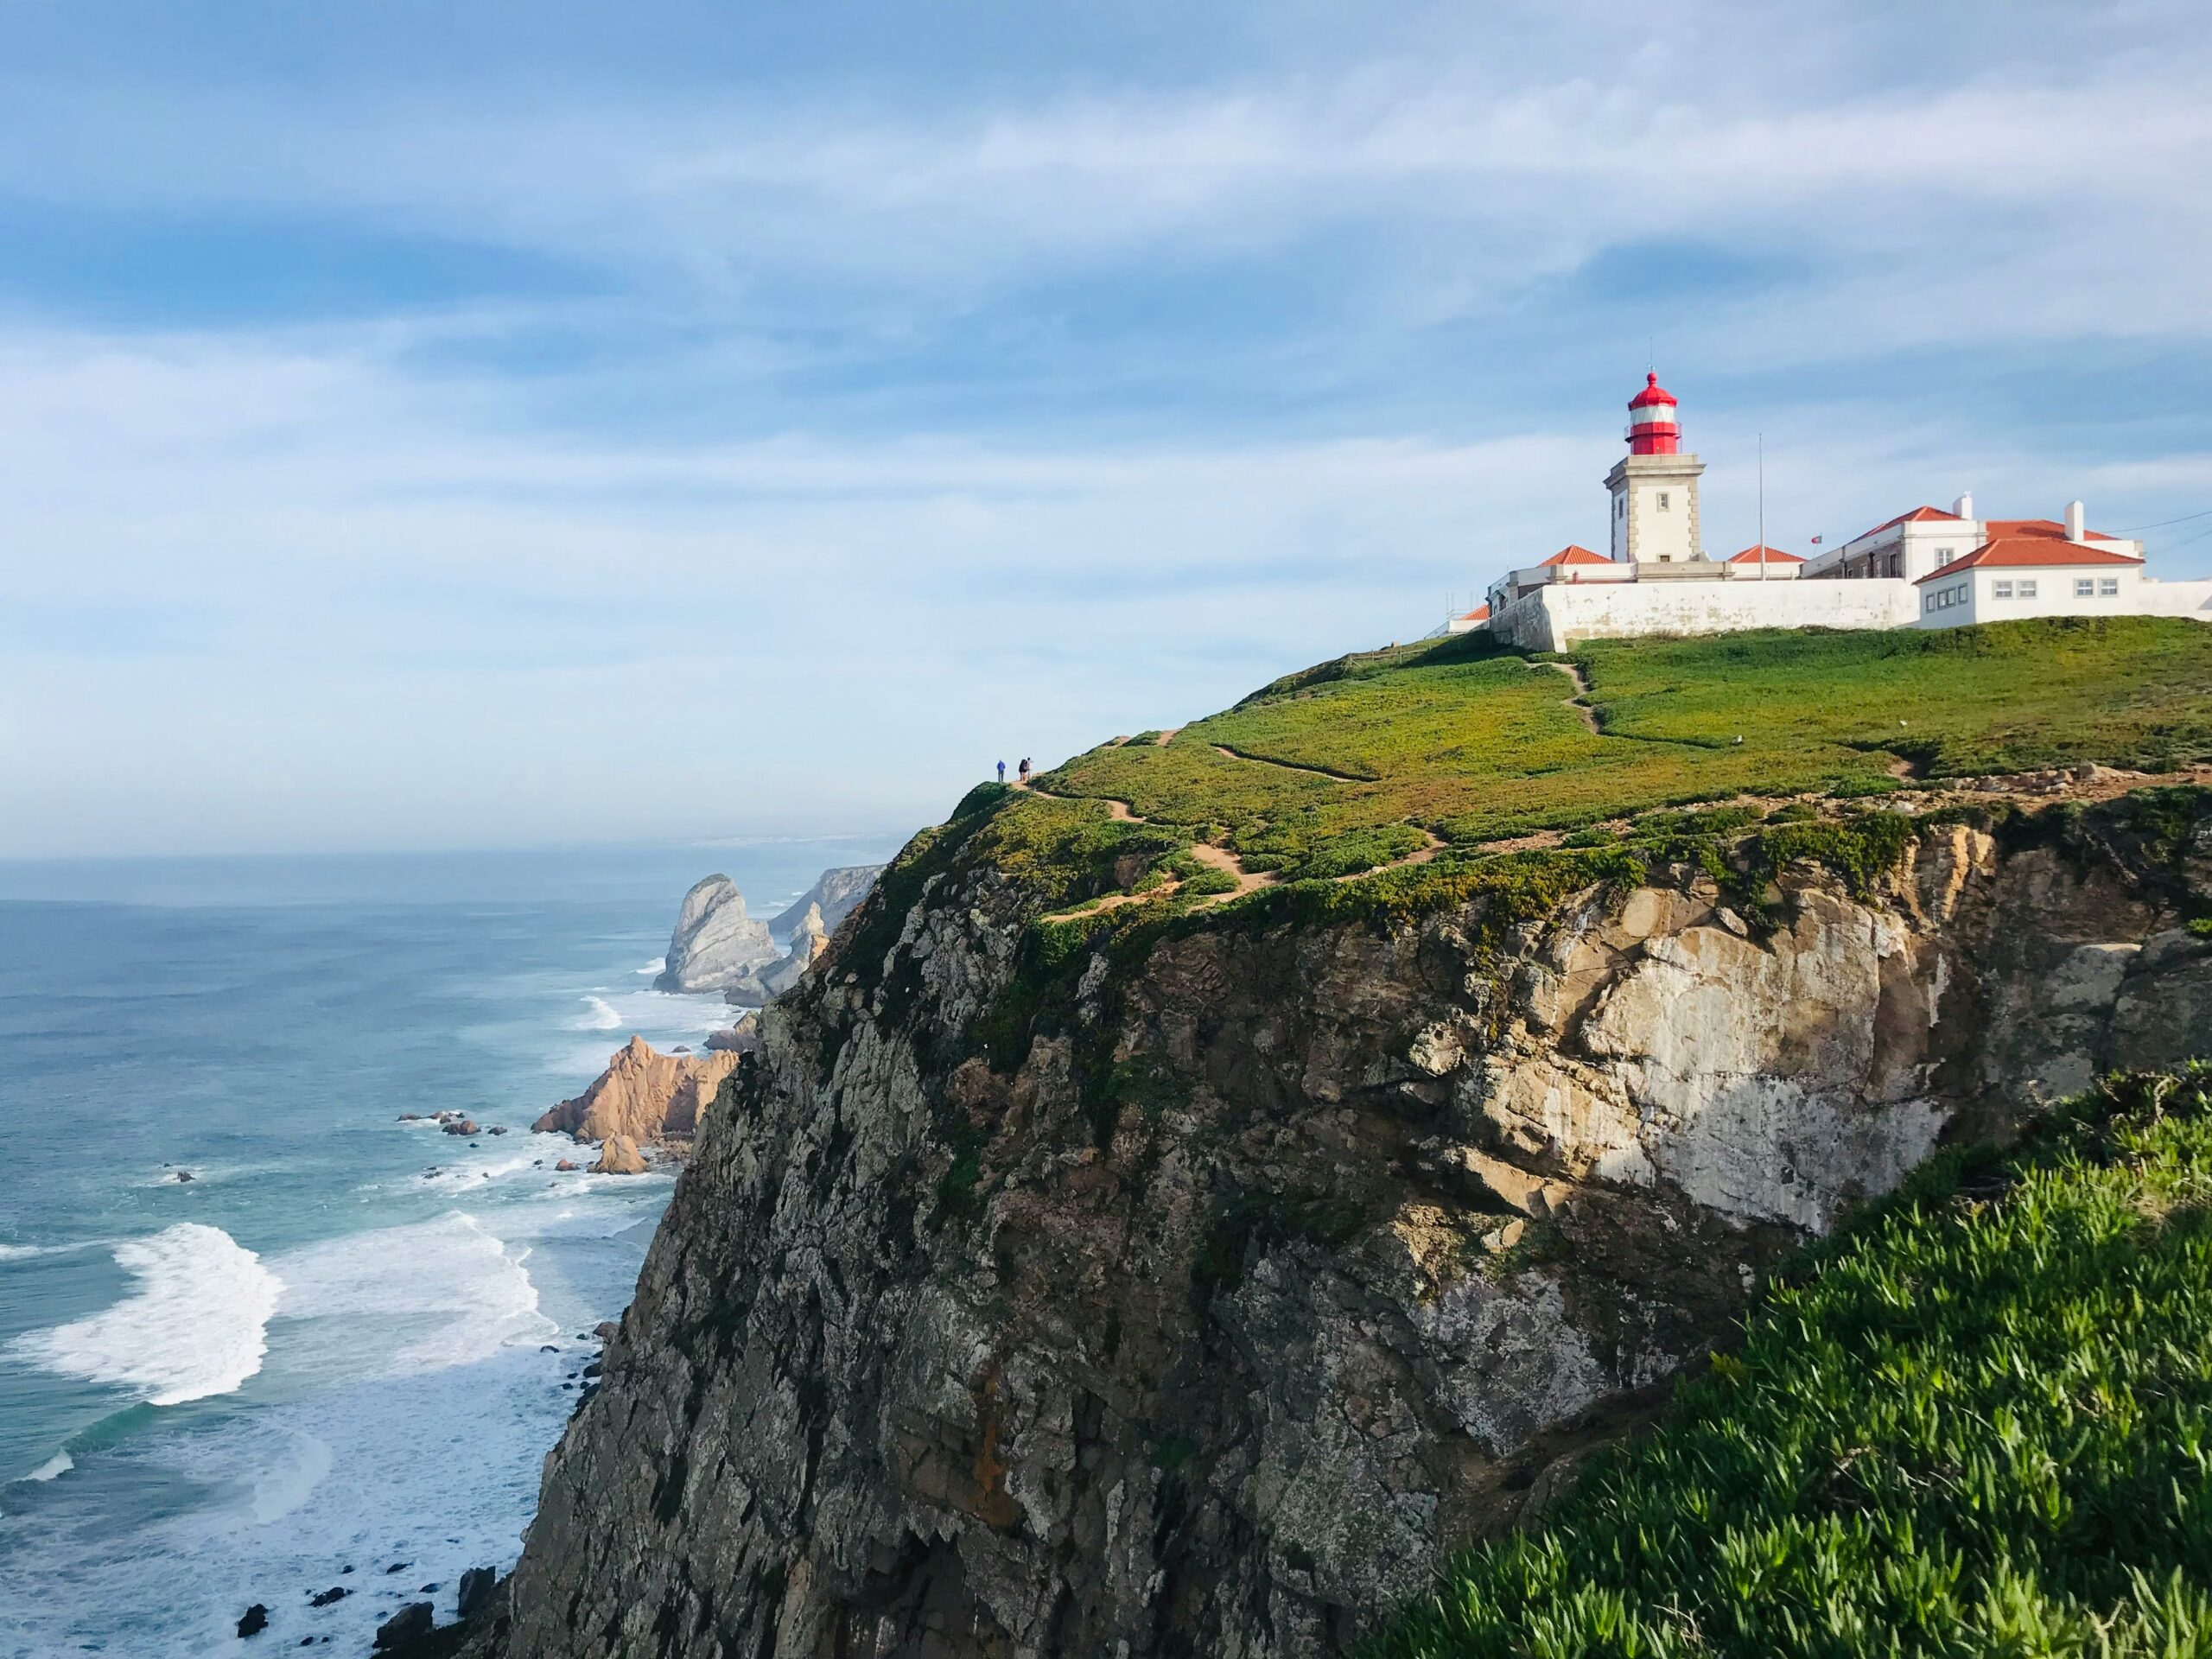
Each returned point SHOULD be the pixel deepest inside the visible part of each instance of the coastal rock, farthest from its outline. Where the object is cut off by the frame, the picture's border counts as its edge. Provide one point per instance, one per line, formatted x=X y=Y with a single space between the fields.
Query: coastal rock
x=646 y=1095
x=764 y=985
x=834 y=896
x=619 y=1156
x=743 y=1038
x=336 y=1593
x=476 y=1586
x=1206 y=1315
x=411 y=1623
x=458 y=1125
x=566 y=1164
x=253 y=1621
x=715 y=944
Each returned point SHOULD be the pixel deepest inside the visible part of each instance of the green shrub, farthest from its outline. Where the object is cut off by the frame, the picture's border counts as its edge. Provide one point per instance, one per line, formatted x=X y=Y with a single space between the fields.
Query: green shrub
x=1207 y=882
x=1978 y=1421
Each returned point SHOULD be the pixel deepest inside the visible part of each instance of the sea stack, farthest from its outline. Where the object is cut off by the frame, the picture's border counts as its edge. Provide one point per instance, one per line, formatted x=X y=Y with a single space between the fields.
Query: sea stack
x=646 y=1095
x=715 y=944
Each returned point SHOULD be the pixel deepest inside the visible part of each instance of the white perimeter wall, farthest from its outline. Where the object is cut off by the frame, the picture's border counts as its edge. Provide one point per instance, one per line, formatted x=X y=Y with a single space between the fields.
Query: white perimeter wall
x=2192 y=599
x=1565 y=614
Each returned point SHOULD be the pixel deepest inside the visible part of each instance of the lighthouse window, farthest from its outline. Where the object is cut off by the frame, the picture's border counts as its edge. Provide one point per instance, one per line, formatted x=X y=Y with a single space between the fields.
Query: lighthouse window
x=1663 y=501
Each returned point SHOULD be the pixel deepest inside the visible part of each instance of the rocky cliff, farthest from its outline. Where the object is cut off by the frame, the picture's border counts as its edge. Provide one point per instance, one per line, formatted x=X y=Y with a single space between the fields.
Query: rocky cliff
x=835 y=894
x=1190 y=1292
x=646 y=1096
x=714 y=943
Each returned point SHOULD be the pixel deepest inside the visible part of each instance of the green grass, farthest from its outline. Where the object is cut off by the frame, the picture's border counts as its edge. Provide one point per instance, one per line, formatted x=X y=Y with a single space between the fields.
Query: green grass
x=1978 y=1422
x=1477 y=744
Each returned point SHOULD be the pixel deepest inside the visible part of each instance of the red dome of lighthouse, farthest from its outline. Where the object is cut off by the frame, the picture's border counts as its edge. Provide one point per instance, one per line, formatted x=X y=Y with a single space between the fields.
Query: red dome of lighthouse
x=1652 y=428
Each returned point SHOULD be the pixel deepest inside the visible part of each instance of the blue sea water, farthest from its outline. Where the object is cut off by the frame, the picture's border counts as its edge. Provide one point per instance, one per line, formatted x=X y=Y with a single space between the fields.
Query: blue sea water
x=348 y=1341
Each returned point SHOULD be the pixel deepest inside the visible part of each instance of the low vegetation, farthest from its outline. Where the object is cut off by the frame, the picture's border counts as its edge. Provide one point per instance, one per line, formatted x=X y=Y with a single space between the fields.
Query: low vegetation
x=1321 y=772
x=1978 y=1421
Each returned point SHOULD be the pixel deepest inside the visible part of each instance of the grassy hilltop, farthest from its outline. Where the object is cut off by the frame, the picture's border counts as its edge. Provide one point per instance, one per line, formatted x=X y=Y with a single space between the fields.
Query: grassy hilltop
x=1473 y=743
x=1408 y=778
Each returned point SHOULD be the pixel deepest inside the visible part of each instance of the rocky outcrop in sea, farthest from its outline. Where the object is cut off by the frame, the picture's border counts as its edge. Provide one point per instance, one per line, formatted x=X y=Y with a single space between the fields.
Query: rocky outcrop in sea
x=835 y=895
x=715 y=944
x=651 y=1097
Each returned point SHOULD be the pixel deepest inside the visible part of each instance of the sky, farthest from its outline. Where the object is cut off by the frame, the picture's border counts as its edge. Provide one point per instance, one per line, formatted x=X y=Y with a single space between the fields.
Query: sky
x=455 y=425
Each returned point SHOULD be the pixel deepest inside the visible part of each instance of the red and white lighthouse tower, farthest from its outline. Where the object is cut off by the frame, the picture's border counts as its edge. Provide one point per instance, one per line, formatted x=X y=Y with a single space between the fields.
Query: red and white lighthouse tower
x=1654 y=486
x=1653 y=428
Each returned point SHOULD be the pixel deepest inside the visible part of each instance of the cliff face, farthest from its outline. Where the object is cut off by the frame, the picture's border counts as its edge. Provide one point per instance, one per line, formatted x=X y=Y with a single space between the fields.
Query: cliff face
x=1291 y=1257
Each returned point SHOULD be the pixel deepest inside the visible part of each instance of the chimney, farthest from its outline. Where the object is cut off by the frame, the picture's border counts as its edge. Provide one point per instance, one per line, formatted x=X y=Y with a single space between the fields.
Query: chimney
x=2077 y=529
x=1963 y=508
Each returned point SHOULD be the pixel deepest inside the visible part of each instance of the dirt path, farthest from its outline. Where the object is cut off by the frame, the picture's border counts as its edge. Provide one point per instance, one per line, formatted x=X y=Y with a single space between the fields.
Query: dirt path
x=1580 y=700
x=1228 y=754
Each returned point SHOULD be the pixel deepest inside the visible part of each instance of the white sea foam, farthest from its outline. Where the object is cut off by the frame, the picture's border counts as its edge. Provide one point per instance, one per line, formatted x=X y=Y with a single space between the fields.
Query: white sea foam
x=196 y=1325
x=53 y=1468
x=657 y=965
x=600 y=1016
x=412 y=1298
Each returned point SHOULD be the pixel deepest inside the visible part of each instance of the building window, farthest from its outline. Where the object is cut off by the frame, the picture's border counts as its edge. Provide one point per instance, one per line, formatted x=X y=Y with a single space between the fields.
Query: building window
x=2027 y=589
x=2108 y=586
x=1942 y=555
x=2000 y=590
x=2084 y=586
x=1927 y=604
x=1665 y=501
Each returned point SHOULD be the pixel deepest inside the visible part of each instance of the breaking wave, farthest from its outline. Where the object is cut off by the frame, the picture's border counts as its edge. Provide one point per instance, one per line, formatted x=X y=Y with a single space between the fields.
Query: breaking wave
x=600 y=1017
x=196 y=1325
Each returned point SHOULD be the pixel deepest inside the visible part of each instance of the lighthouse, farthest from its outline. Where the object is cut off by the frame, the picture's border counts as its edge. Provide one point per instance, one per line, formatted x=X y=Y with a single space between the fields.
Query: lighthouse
x=1654 y=486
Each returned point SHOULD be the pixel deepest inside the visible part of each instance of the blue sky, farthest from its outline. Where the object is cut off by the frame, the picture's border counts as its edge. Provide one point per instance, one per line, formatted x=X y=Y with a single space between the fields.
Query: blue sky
x=475 y=425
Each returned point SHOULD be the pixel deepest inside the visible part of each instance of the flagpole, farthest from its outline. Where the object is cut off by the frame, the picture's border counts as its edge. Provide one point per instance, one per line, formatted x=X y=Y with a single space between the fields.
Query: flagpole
x=1762 y=506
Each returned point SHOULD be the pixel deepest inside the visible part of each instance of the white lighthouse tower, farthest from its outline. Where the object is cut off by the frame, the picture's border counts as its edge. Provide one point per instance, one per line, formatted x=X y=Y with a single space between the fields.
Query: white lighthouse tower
x=1655 y=486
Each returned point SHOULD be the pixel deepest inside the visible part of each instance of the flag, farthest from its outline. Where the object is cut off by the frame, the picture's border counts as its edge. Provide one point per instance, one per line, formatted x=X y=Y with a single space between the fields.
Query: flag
x=1816 y=541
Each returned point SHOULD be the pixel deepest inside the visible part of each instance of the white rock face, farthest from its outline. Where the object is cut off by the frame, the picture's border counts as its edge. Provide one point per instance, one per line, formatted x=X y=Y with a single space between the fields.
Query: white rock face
x=811 y=939
x=835 y=896
x=715 y=944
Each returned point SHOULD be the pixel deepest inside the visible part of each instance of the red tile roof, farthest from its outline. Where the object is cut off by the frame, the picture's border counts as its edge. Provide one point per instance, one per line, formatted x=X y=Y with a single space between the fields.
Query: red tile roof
x=1918 y=516
x=1774 y=556
x=1480 y=614
x=1572 y=553
x=2033 y=551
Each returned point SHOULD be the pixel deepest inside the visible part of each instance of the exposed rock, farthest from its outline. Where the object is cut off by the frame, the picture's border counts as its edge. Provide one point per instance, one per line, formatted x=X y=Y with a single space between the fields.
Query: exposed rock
x=337 y=1592
x=253 y=1621
x=417 y=1619
x=743 y=1038
x=458 y=1125
x=646 y=1096
x=953 y=1346
x=764 y=985
x=566 y=1164
x=833 y=897
x=715 y=942
x=619 y=1156
x=476 y=1589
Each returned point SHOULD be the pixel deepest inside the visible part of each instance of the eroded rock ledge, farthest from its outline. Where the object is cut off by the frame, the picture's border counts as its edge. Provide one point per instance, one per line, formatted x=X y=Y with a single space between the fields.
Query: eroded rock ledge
x=1205 y=1325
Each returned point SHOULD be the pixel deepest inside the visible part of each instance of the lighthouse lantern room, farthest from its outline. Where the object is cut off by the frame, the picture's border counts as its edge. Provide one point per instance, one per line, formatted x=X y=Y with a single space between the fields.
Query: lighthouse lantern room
x=1655 y=486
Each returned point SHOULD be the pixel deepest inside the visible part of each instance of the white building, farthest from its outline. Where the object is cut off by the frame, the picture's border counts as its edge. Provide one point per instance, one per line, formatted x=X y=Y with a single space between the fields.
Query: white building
x=1924 y=568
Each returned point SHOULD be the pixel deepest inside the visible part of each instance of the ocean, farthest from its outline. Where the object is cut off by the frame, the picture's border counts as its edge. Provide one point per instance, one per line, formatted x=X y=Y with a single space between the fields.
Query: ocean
x=337 y=1356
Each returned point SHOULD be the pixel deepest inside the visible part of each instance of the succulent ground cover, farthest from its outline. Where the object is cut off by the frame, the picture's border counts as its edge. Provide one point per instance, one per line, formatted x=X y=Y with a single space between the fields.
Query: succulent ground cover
x=1336 y=768
x=1978 y=1421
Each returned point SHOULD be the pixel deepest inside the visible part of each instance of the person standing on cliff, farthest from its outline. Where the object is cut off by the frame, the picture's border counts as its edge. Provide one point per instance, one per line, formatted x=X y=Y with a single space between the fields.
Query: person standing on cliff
x=1024 y=772
x=1002 y=772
